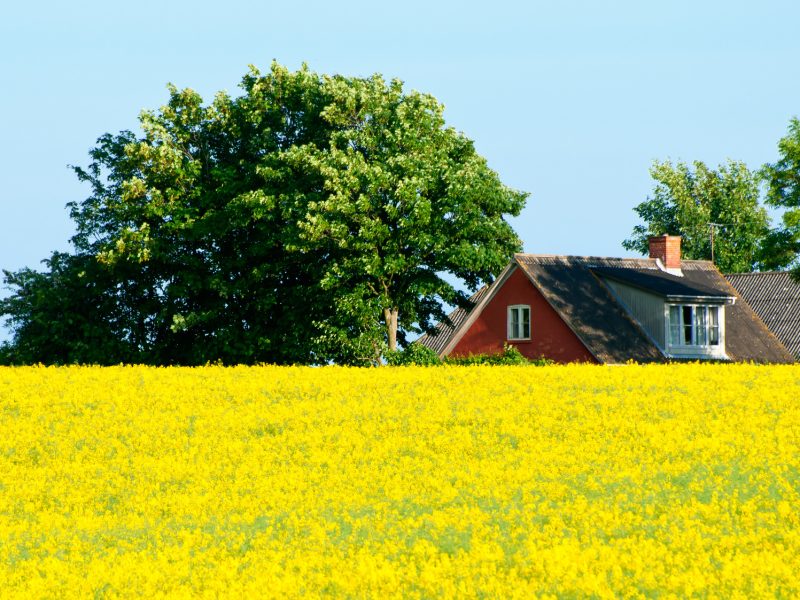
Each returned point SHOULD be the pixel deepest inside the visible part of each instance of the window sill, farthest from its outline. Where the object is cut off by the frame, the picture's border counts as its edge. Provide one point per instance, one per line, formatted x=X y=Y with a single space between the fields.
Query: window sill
x=699 y=352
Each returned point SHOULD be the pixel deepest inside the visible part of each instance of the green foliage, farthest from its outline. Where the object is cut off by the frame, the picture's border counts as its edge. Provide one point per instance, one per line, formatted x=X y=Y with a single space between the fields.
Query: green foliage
x=413 y=354
x=309 y=220
x=509 y=356
x=783 y=178
x=417 y=354
x=191 y=222
x=404 y=200
x=63 y=315
x=687 y=199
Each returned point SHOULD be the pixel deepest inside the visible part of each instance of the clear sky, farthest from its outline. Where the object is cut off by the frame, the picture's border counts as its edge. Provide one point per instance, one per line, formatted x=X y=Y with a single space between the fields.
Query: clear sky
x=570 y=101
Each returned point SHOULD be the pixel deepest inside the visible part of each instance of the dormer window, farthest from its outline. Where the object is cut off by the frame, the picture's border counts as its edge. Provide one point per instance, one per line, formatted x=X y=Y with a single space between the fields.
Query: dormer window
x=519 y=322
x=695 y=330
x=691 y=325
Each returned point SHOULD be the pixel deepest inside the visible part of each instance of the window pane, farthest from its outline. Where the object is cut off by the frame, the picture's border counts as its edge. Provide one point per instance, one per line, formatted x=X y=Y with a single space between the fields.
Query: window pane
x=519 y=322
x=687 y=325
x=713 y=326
x=674 y=325
x=700 y=326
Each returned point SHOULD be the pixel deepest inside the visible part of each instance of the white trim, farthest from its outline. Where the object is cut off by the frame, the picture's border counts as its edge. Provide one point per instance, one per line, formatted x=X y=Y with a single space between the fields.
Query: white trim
x=509 y=309
x=690 y=350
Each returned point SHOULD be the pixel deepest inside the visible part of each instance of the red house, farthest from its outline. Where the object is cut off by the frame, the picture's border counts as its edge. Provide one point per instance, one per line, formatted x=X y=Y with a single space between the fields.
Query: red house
x=610 y=310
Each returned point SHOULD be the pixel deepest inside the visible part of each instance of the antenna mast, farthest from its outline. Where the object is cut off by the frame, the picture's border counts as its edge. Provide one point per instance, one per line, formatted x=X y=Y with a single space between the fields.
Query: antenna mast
x=711 y=228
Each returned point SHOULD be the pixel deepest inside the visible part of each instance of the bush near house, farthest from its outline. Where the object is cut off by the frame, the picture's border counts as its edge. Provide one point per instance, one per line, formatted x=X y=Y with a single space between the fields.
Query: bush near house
x=417 y=354
x=413 y=354
x=509 y=356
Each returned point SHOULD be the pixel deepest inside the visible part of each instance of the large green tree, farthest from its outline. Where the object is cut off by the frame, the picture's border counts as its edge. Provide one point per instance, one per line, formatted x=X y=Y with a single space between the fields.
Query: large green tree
x=191 y=219
x=783 y=177
x=404 y=201
x=698 y=202
x=309 y=219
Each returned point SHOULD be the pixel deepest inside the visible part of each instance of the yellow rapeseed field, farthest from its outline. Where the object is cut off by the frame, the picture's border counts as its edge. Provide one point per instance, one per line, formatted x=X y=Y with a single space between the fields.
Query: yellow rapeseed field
x=634 y=481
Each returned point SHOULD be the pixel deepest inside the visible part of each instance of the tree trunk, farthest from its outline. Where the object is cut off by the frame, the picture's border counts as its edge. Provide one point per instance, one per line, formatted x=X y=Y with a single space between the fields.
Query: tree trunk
x=390 y=315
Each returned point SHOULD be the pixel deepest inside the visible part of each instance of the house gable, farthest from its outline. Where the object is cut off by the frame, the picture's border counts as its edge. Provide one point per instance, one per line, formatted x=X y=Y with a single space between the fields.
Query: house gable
x=588 y=306
x=550 y=337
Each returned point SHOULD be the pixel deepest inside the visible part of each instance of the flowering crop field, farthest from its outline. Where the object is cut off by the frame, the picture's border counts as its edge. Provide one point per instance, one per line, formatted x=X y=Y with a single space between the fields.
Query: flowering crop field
x=634 y=481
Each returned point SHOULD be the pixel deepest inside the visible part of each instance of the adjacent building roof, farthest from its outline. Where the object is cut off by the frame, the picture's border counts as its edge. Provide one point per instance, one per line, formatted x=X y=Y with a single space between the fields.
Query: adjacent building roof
x=574 y=286
x=439 y=340
x=775 y=297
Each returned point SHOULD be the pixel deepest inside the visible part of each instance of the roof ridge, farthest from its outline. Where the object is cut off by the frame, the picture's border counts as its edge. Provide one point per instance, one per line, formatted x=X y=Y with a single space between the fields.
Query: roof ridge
x=584 y=257
x=644 y=259
x=758 y=273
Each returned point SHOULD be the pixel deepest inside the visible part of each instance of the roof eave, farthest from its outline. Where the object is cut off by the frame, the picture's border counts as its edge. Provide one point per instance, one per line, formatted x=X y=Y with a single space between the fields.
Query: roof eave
x=700 y=299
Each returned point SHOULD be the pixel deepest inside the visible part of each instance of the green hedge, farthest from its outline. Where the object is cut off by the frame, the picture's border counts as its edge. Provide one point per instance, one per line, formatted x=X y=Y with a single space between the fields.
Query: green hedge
x=417 y=354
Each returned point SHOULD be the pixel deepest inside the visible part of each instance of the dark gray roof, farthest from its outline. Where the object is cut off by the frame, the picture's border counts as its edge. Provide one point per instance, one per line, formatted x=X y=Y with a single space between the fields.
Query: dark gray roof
x=574 y=287
x=746 y=336
x=663 y=284
x=587 y=306
x=775 y=297
x=444 y=332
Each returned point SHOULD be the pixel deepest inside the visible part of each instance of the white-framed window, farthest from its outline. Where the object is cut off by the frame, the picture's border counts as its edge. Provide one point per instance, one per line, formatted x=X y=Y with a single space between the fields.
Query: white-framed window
x=519 y=322
x=695 y=329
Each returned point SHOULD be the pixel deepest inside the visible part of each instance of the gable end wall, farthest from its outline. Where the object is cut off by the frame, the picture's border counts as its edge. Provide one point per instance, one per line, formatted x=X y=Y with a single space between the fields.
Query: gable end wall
x=550 y=336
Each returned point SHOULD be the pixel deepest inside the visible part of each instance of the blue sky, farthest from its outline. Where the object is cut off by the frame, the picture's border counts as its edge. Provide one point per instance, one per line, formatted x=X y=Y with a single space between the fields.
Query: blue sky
x=570 y=101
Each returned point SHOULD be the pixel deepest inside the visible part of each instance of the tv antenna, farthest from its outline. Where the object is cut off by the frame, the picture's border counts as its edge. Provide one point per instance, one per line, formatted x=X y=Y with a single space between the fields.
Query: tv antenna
x=711 y=227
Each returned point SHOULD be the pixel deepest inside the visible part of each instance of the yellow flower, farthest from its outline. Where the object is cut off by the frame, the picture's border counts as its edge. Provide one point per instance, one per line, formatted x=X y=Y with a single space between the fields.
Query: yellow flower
x=410 y=482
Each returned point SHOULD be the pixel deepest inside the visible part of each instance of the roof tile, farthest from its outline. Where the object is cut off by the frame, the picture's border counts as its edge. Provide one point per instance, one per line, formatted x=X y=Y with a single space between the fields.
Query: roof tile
x=775 y=297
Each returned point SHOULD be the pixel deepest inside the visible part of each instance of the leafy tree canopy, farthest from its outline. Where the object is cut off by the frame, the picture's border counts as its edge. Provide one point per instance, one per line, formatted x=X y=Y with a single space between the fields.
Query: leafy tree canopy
x=310 y=219
x=690 y=200
x=783 y=178
x=404 y=199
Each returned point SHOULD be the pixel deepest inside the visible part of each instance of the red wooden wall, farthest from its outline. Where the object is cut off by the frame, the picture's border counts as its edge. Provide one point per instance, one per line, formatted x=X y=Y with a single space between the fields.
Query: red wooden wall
x=550 y=336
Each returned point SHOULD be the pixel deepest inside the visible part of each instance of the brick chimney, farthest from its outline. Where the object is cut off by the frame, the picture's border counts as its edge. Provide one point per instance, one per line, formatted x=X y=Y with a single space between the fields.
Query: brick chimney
x=667 y=248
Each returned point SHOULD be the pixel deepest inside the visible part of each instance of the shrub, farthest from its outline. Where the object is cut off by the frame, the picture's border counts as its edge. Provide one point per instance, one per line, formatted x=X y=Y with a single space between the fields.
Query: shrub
x=509 y=356
x=413 y=354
